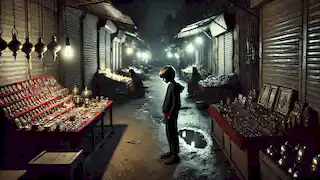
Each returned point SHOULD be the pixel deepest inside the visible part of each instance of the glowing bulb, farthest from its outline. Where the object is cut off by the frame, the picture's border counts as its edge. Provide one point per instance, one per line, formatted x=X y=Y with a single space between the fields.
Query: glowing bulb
x=190 y=48
x=170 y=55
x=68 y=52
x=176 y=55
x=193 y=144
x=144 y=55
x=184 y=134
x=139 y=54
x=199 y=40
x=129 y=50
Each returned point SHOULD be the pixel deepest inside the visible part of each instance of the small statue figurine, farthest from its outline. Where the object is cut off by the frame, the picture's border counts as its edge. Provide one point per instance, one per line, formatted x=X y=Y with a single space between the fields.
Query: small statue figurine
x=315 y=163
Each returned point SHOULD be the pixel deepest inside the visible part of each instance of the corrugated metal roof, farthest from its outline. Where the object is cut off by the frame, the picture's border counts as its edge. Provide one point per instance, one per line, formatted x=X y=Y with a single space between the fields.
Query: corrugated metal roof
x=196 y=28
x=102 y=9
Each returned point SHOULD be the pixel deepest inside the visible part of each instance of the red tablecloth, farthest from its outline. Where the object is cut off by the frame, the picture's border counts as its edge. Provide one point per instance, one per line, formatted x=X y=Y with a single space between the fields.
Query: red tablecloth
x=227 y=128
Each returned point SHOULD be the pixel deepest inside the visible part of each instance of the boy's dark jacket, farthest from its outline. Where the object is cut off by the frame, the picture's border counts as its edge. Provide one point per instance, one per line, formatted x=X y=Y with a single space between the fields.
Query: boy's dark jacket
x=172 y=101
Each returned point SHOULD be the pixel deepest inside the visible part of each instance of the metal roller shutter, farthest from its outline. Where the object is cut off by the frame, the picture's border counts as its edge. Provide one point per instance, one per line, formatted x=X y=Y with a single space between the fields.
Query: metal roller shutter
x=102 y=48
x=13 y=71
x=313 y=55
x=108 y=50
x=72 y=67
x=221 y=65
x=228 y=53
x=282 y=27
x=90 y=35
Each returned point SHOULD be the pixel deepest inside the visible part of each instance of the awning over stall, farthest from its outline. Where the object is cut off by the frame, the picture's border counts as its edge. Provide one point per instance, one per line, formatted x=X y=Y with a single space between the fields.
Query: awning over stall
x=216 y=24
x=102 y=9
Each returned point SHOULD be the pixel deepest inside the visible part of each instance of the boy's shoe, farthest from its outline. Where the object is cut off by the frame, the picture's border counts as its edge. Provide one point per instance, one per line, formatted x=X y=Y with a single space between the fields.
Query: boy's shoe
x=166 y=155
x=175 y=159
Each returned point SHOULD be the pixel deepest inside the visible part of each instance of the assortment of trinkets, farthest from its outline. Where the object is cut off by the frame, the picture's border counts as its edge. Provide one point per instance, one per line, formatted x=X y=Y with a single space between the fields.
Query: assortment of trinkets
x=42 y=104
x=215 y=81
x=295 y=159
x=115 y=77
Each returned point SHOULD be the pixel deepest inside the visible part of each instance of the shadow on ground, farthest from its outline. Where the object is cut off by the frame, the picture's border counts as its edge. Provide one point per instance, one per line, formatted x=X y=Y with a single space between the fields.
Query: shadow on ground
x=97 y=162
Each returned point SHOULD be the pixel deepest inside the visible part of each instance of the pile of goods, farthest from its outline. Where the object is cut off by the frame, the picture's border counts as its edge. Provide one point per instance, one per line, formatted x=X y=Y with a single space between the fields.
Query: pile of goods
x=41 y=104
x=216 y=81
x=188 y=69
x=115 y=77
x=295 y=159
x=136 y=70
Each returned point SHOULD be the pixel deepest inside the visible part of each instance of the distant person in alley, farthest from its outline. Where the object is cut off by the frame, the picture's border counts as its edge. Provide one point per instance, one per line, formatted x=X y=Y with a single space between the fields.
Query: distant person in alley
x=136 y=89
x=193 y=84
x=170 y=108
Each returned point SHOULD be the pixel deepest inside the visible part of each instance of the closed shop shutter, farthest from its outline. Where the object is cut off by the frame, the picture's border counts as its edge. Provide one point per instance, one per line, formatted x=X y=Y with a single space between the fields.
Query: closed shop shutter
x=313 y=55
x=108 y=50
x=90 y=44
x=221 y=66
x=215 y=64
x=282 y=26
x=228 y=53
x=16 y=70
x=102 y=48
x=72 y=67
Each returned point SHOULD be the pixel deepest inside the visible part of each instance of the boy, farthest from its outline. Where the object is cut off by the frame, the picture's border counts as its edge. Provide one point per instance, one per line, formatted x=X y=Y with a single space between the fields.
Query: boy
x=170 y=108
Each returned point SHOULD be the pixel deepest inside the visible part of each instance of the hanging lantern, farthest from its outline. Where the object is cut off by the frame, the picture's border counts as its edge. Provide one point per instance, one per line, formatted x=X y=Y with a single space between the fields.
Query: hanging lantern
x=27 y=48
x=3 y=44
x=54 y=47
x=14 y=45
x=40 y=48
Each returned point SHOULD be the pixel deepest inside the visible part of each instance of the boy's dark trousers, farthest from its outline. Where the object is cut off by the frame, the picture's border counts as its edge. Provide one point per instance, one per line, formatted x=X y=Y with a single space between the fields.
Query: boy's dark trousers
x=172 y=134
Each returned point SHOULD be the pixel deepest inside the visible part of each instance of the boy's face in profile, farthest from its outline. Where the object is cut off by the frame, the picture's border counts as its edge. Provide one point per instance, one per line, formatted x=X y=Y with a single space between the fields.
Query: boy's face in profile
x=165 y=80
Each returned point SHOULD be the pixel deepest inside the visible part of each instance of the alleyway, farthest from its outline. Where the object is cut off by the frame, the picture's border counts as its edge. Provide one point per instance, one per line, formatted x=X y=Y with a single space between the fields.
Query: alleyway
x=140 y=138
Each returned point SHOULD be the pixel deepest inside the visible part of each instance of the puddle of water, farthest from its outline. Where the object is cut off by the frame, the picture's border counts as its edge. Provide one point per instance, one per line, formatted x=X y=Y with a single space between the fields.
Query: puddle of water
x=194 y=139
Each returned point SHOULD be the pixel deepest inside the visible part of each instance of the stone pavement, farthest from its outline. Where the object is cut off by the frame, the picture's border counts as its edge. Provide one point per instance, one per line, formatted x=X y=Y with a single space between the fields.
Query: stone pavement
x=132 y=152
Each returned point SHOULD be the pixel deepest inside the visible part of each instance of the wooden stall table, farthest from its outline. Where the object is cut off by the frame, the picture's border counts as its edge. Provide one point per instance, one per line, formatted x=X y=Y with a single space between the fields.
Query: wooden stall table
x=242 y=151
x=62 y=164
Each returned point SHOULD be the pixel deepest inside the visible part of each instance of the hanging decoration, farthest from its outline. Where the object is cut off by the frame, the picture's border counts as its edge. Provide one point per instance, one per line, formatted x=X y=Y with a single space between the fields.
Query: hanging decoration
x=14 y=45
x=40 y=47
x=3 y=43
x=54 y=46
x=68 y=51
x=27 y=47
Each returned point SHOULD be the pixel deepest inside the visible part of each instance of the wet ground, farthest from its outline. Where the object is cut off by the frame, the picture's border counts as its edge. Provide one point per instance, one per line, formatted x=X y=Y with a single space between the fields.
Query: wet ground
x=132 y=152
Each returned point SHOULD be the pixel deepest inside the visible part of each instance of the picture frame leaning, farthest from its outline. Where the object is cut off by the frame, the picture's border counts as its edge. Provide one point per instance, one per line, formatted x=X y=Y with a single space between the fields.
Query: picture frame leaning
x=264 y=94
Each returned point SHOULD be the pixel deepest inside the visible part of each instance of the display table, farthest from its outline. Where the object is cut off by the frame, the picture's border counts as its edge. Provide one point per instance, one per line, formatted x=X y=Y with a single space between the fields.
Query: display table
x=39 y=111
x=241 y=150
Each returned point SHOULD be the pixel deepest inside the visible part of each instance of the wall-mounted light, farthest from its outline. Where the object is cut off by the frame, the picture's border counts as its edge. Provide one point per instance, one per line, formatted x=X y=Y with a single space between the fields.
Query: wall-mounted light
x=190 y=48
x=68 y=50
x=199 y=40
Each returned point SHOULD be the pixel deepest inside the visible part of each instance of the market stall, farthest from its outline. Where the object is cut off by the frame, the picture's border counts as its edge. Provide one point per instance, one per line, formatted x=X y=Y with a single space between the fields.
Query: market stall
x=112 y=85
x=249 y=124
x=42 y=111
x=140 y=72
x=216 y=88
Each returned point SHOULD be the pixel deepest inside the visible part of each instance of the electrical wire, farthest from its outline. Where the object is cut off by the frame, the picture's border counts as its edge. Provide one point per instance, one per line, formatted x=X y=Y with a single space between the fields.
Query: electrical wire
x=65 y=18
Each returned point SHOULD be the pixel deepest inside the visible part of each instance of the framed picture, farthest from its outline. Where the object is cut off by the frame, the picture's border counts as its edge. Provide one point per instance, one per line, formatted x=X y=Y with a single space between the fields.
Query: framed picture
x=272 y=96
x=264 y=94
x=283 y=101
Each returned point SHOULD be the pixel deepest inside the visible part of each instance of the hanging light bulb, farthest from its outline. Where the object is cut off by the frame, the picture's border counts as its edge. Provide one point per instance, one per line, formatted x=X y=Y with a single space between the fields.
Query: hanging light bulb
x=68 y=51
x=27 y=48
x=3 y=44
x=54 y=47
x=40 y=48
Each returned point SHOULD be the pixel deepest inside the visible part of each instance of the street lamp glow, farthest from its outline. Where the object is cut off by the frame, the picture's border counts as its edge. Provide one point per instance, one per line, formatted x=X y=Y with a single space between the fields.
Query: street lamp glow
x=176 y=55
x=139 y=54
x=129 y=51
x=190 y=48
x=144 y=55
x=199 y=40
x=170 y=55
x=68 y=52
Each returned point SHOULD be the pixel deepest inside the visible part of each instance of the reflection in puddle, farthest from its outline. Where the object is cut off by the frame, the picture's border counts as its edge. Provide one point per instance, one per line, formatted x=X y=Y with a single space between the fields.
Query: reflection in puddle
x=194 y=139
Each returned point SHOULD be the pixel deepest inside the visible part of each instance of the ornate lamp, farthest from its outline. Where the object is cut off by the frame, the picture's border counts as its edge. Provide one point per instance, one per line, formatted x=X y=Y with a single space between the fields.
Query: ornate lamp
x=27 y=47
x=40 y=48
x=3 y=44
x=54 y=47
x=14 y=45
